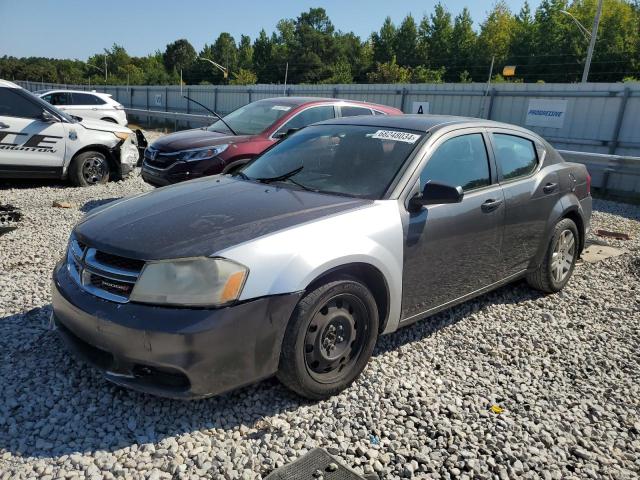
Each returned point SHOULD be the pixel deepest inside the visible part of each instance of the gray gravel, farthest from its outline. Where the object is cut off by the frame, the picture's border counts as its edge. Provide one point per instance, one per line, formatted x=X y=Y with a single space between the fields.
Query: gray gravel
x=564 y=369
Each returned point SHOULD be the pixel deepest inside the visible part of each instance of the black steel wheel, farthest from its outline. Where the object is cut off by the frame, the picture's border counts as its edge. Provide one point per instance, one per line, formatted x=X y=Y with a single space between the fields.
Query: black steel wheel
x=329 y=339
x=89 y=168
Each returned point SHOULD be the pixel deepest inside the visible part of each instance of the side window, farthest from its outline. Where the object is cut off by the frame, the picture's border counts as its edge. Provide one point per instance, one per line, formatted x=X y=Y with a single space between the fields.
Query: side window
x=516 y=156
x=57 y=98
x=378 y=112
x=309 y=116
x=460 y=161
x=12 y=104
x=85 y=99
x=350 y=111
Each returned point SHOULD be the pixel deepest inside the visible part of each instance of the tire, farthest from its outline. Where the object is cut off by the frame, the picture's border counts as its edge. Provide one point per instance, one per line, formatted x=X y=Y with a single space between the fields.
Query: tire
x=110 y=120
x=559 y=260
x=89 y=168
x=235 y=166
x=329 y=339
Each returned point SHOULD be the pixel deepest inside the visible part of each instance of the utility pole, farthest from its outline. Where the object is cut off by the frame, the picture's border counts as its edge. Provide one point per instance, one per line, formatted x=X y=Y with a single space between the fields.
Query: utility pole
x=592 y=42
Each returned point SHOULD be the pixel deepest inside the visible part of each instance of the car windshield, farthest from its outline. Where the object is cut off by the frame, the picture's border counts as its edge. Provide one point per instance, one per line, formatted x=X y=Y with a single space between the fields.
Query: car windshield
x=253 y=118
x=353 y=160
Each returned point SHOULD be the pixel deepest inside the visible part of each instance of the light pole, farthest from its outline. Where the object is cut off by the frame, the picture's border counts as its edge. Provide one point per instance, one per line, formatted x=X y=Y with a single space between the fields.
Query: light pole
x=590 y=36
x=224 y=71
x=94 y=66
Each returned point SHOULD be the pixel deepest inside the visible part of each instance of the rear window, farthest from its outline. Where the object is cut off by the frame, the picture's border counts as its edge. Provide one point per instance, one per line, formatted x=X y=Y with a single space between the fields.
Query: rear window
x=87 y=99
x=350 y=111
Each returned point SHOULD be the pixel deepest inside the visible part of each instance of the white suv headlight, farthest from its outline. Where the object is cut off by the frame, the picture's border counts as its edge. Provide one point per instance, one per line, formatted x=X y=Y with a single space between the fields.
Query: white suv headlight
x=190 y=282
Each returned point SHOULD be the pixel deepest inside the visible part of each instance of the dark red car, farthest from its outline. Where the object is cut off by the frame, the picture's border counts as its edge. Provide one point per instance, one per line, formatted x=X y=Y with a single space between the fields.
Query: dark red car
x=245 y=133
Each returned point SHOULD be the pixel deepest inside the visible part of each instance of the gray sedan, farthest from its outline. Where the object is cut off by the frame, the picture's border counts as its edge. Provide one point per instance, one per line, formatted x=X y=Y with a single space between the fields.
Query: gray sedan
x=343 y=231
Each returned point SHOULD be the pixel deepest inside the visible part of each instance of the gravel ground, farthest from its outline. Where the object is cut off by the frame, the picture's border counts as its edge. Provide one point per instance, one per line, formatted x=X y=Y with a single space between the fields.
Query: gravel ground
x=563 y=368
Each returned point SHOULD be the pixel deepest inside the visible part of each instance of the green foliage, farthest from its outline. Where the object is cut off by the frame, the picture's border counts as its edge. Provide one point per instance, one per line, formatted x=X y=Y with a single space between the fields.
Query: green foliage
x=244 y=77
x=423 y=74
x=389 y=72
x=544 y=45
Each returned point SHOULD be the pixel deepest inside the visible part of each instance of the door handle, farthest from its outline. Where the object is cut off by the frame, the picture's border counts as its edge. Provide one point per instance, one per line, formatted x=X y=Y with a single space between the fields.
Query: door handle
x=4 y=125
x=490 y=205
x=550 y=187
x=94 y=109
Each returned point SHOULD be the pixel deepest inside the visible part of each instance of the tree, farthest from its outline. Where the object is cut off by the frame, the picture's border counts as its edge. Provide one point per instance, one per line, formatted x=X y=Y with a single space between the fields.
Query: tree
x=439 y=32
x=179 y=55
x=384 y=42
x=262 y=50
x=523 y=42
x=406 y=40
x=496 y=34
x=245 y=53
x=225 y=52
x=463 y=45
x=390 y=72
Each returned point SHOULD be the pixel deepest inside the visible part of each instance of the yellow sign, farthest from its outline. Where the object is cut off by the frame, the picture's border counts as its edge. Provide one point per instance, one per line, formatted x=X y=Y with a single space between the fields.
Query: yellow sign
x=509 y=71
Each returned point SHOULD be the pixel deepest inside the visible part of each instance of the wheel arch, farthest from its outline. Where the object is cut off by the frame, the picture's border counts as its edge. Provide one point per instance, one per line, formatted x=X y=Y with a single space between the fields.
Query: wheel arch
x=370 y=276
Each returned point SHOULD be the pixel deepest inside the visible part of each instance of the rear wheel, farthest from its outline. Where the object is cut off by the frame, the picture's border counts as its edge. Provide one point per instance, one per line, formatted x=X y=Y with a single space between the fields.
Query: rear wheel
x=329 y=339
x=89 y=168
x=560 y=259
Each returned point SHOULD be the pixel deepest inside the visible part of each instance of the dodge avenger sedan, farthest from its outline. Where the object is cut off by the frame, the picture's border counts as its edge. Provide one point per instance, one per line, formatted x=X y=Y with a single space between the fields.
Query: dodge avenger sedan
x=231 y=142
x=346 y=230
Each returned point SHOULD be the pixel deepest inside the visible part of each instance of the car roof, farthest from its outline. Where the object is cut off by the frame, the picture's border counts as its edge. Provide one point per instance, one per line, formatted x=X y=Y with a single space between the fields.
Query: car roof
x=8 y=84
x=90 y=92
x=421 y=123
x=299 y=101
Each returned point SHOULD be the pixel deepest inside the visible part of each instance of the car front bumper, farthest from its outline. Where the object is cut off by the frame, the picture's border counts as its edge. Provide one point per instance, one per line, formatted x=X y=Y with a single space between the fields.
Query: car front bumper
x=181 y=171
x=172 y=352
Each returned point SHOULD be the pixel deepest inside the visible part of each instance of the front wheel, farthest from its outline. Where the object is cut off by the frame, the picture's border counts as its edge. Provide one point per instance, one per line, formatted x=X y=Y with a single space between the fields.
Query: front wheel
x=329 y=339
x=89 y=168
x=560 y=259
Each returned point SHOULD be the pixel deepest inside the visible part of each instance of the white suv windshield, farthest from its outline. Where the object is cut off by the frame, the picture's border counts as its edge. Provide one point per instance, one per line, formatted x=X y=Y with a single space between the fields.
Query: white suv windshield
x=252 y=119
x=353 y=160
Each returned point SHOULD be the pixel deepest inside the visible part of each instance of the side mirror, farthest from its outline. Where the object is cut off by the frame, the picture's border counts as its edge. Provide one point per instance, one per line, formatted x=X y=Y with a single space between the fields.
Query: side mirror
x=281 y=135
x=434 y=193
x=48 y=117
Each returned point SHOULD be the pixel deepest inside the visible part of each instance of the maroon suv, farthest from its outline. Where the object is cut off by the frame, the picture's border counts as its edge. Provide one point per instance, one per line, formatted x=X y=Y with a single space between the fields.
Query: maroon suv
x=245 y=133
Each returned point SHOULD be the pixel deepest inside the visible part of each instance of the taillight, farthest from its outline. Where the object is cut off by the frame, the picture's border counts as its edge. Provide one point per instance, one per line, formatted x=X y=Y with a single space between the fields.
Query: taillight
x=119 y=107
x=588 y=184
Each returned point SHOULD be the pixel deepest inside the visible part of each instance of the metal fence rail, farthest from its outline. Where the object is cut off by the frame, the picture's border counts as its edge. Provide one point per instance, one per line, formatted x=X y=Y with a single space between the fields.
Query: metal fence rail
x=598 y=117
x=600 y=127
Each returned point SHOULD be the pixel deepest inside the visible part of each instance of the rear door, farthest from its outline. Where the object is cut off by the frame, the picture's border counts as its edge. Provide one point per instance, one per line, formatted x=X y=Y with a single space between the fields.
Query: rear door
x=530 y=195
x=452 y=250
x=29 y=146
x=85 y=105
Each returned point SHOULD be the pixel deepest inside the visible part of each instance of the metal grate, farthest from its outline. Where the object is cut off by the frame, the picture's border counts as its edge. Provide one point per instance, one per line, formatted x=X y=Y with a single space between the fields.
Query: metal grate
x=103 y=274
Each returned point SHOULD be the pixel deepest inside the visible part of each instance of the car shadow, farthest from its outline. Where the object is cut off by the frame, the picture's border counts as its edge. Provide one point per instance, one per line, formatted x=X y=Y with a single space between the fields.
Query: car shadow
x=52 y=404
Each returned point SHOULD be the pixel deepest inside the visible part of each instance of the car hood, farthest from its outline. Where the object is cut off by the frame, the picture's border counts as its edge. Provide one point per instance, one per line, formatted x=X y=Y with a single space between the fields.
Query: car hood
x=103 y=126
x=195 y=138
x=202 y=217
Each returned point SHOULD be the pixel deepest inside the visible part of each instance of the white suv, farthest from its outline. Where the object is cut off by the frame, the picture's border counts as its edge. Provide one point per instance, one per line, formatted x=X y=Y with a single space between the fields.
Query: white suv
x=86 y=104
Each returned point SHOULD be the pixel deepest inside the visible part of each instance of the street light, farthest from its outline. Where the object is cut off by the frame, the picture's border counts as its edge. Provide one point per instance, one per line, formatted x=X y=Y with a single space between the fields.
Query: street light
x=224 y=71
x=590 y=36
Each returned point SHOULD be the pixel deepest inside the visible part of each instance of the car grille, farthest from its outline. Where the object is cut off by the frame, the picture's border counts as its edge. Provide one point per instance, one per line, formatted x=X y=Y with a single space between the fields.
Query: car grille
x=157 y=159
x=103 y=274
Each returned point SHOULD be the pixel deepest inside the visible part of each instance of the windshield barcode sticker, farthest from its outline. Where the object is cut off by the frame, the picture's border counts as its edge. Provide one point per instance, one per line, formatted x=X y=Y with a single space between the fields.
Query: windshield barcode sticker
x=396 y=136
x=283 y=108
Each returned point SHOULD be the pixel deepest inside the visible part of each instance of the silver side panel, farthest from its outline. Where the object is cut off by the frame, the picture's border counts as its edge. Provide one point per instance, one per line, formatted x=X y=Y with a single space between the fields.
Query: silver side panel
x=289 y=260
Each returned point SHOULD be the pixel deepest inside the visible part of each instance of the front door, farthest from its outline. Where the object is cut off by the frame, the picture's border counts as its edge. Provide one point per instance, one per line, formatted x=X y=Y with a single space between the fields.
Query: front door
x=452 y=250
x=29 y=146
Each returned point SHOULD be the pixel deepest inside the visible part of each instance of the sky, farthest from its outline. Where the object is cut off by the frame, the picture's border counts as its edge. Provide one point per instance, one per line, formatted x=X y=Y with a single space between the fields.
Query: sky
x=80 y=28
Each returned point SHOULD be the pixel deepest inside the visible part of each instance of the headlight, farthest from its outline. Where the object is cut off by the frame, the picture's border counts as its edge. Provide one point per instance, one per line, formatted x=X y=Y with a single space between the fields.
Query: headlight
x=202 y=153
x=190 y=282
